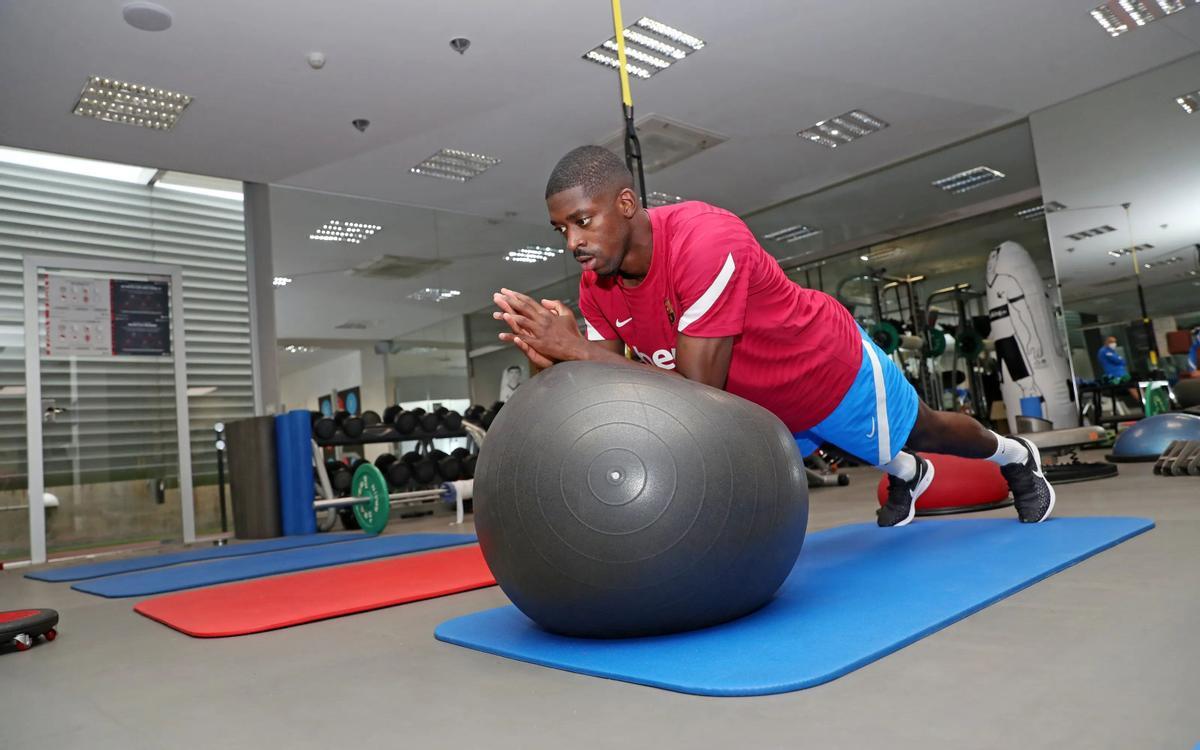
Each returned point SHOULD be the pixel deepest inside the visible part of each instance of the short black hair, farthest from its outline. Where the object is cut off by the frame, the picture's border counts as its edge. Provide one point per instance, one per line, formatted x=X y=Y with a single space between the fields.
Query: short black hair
x=591 y=167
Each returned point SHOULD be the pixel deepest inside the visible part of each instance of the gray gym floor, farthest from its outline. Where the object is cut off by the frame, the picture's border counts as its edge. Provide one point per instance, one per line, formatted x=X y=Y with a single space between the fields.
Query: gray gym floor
x=1102 y=655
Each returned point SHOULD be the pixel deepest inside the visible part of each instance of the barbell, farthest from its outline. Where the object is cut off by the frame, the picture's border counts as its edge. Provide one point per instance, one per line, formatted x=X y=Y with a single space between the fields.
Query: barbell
x=372 y=503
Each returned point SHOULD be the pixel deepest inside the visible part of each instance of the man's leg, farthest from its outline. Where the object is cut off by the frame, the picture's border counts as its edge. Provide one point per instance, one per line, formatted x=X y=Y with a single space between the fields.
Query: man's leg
x=959 y=435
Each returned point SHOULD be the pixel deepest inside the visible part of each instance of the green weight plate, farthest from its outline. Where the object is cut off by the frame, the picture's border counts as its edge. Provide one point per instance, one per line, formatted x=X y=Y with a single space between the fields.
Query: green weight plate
x=886 y=337
x=369 y=483
x=937 y=342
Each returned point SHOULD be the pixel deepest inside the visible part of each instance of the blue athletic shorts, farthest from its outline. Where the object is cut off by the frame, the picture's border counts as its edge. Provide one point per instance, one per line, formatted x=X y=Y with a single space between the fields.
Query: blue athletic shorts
x=876 y=415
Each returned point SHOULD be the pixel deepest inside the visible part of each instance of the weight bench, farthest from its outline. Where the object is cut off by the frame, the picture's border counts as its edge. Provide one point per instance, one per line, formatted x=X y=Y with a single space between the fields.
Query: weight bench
x=1063 y=446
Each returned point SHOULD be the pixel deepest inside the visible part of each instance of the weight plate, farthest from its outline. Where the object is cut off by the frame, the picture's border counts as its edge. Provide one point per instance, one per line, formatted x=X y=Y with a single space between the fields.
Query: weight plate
x=937 y=342
x=970 y=343
x=369 y=483
x=886 y=337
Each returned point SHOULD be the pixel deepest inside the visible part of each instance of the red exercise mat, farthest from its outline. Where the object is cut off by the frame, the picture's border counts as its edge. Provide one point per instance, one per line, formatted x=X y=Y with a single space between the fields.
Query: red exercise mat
x=282 y=601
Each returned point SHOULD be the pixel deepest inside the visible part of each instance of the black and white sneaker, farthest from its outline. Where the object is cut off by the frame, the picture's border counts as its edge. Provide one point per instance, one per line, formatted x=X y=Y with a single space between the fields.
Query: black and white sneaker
x=1032 y=493
x=901 y=504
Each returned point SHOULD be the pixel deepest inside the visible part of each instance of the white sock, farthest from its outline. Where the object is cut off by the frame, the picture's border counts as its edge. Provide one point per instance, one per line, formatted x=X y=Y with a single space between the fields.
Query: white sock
x=903 y=466
x=1008 y=451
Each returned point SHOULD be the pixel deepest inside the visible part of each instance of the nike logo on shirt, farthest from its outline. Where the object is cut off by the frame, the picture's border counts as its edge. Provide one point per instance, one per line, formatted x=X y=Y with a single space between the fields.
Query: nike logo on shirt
x=871 y=434
x=621 y=323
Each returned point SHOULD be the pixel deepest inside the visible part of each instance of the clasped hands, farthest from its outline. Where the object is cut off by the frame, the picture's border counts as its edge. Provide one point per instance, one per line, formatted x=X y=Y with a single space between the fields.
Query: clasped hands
x=546 y=332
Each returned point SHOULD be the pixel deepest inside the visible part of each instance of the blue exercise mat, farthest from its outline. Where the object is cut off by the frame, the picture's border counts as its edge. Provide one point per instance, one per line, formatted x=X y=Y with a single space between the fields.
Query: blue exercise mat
x=129 y=565
x=271 y=563
x=857 y=593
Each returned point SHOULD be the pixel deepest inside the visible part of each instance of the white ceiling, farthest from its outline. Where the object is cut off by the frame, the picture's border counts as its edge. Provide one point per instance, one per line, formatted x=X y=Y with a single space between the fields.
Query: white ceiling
x=940 y=72
x=1129 y=143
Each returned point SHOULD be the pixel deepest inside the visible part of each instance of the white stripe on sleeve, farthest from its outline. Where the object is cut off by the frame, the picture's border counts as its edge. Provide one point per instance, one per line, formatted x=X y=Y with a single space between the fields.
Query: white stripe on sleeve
x=710 y=296
x=592 y=333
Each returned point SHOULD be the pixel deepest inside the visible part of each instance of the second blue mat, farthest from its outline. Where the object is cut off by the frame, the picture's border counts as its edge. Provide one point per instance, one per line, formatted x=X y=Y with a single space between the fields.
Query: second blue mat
x=237 y=549
x=178 y=577
x=857 y=594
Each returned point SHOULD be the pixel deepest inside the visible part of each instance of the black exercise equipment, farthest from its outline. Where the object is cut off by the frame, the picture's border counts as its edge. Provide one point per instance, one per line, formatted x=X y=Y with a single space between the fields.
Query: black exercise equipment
x=351 y=425
x=371 y=419
x=613 y=502
x=339 y=475
x=407 y=421
x=389 y=414
x=324 y=428
x=468 y=466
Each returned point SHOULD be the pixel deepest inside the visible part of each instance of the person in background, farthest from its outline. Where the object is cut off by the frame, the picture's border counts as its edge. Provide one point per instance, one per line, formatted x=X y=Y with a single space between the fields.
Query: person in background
x=1193 y=357
x=1112 y=364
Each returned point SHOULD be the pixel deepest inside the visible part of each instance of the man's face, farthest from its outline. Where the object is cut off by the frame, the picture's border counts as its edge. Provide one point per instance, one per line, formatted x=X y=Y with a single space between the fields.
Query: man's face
x=1110 y=342
x=596 y=228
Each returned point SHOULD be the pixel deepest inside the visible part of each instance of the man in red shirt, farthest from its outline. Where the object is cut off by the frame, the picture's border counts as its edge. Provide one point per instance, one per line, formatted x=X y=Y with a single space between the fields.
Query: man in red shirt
x=689 y=290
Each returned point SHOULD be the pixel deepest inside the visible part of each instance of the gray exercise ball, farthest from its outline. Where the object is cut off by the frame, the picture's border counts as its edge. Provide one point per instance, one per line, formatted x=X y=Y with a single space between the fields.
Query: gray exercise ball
x=615 y=501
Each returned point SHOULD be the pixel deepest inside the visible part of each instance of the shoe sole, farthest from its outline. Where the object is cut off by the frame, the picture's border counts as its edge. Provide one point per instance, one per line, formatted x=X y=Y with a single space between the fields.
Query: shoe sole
x=1037 y=460
x=920 y=489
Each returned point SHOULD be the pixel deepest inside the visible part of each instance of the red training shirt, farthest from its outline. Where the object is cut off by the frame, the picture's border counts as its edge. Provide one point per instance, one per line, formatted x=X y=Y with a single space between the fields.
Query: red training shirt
x=795 y=352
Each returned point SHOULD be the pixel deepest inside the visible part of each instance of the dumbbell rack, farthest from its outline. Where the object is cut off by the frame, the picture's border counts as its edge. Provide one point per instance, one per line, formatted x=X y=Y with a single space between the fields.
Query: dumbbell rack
x=374 y=435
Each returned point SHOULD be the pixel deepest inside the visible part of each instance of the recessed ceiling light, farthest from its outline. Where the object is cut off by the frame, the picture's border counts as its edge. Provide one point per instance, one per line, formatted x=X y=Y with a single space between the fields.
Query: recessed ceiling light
x=336 y=230
x=1119 y=16
x=864 y=258
x=650 y=47
x=296 y=349
x=843 y=129
x=793 y=233
x=456 y=165
x=1125 y=251
x=1190 y=102
x=656 y=199
x=1093 y=232
x=1036 y=212
x=968 y=180
x=1163 y=262
x=434 y=294
x=281 y=280
x=533 y=254
x=130 y=103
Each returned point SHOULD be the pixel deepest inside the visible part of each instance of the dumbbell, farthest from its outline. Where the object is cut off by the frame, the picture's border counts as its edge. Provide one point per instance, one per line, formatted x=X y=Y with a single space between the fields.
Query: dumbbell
x=431 y=420
x=339 y=475
x=468 y=466
x=474 y=413
x=449 y=466
x=389 y=414
x=350 y=424
x=371 y=418
x=407 y=421
x=397 y=472
x=451 y=420
x=323 y=427
x=490 y=414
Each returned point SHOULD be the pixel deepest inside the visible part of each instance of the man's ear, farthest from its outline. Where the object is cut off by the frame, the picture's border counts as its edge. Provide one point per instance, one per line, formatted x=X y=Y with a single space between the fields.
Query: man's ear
x=628 y=202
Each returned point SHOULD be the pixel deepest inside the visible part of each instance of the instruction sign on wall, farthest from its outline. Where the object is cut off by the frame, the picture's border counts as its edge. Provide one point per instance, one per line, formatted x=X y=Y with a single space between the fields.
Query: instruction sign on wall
x=106 y=317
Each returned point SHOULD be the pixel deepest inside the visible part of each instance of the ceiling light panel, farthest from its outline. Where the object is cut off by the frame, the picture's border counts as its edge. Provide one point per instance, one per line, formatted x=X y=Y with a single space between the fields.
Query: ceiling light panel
x=969 y=180
x=1093 y=232
x=843 y=129
x=1164 y=262
x=453 y=164
x=656 y=199
x=336 y=230
x=1190 y=102
x=650 y=47
x=1119 y=252
x=281 y=280
x=533 y=254
x=793 y=233
x=1117 y=17
x=434 y=294
x=130 y=103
